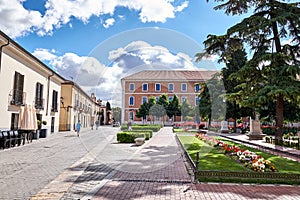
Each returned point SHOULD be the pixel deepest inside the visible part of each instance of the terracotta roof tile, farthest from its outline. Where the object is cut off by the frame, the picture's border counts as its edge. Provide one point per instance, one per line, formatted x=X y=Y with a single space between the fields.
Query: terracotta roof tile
x=171 y=75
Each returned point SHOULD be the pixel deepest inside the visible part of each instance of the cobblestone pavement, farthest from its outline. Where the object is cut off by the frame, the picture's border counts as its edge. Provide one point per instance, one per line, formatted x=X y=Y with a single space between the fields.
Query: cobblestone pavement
x=25 y=170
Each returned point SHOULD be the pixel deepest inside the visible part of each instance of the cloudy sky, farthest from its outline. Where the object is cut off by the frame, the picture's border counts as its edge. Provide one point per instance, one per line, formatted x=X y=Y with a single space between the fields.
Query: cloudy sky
x=97 y=42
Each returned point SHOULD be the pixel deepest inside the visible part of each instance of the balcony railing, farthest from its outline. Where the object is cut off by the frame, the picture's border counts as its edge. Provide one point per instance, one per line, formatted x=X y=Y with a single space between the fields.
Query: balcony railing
x=54 y=108
x=17 y=97
x=39 y=103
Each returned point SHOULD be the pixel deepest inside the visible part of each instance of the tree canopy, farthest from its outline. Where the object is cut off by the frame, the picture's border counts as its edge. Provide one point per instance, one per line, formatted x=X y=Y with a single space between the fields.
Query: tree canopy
x=272 y=34
x=160 y=107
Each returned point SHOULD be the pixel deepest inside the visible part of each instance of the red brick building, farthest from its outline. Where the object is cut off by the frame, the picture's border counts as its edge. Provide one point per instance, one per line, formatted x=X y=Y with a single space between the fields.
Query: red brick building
x=138 y=87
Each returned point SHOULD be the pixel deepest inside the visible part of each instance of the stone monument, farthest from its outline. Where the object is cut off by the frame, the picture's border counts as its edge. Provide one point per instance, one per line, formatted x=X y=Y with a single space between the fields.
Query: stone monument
x=255 y=130
x=224 y=127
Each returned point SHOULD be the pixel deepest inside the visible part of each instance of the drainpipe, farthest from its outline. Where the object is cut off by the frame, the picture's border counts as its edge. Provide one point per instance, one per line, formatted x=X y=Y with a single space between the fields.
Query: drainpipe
x=1 y=47
x=48 y=91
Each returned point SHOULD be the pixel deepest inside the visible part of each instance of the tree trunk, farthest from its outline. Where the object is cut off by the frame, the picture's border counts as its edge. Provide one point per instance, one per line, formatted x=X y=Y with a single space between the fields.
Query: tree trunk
x=279 y=120
x=279 y=99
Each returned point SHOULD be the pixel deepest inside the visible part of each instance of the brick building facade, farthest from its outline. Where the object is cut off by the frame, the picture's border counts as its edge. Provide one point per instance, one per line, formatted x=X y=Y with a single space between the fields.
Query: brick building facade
x=139 y=87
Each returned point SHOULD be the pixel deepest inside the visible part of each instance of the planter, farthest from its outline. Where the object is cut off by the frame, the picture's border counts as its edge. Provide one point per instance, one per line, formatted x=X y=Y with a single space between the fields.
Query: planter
x=43 y=133
x=139 y=141
x=36 y=134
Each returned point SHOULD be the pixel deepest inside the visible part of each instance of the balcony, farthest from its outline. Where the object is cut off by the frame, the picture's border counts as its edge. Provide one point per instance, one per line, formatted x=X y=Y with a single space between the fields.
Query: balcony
x=39 y=103
x=17 y=97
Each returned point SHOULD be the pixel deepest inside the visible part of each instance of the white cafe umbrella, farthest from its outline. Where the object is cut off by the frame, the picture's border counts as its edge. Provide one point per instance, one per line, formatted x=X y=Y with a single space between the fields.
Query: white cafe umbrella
x=27 y=118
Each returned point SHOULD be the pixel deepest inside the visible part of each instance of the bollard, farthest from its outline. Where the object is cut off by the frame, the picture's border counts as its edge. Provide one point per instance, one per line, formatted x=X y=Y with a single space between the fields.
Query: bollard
x=196 y=170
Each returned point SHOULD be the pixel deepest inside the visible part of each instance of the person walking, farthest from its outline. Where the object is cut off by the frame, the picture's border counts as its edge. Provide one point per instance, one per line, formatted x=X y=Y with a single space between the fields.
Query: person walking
x=78 y=127
x=129 y=126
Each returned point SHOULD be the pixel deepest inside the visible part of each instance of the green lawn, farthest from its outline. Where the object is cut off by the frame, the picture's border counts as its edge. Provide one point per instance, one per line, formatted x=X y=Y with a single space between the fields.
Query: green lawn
x=212 y=159
x=283 y=165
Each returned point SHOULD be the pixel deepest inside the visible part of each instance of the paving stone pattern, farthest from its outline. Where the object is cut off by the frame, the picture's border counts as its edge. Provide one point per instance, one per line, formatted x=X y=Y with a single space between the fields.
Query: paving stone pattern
x=163 y=183
x=94 y=166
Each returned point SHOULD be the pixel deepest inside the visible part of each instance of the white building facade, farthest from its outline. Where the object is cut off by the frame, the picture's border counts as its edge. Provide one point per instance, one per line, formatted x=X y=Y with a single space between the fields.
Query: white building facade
x=25 y=80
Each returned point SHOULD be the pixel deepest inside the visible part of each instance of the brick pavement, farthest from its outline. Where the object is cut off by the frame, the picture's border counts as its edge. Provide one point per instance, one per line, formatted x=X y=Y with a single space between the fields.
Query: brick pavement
x=155 y=170
x=172 y=181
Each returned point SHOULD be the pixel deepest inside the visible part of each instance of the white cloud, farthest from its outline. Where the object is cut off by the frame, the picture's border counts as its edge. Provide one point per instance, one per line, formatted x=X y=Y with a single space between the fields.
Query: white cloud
x=16 y=21
x=139 y=53
x=212 y=58
x=182 y=6
x=104 y=81
x=109 y=22
x=44 y=54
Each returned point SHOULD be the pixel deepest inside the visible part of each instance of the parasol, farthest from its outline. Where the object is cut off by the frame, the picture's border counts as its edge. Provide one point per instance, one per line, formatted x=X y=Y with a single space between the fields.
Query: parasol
x=27 y=118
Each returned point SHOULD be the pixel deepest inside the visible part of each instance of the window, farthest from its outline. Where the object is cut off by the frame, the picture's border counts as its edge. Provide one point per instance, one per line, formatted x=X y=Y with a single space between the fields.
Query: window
x=183 y=87
x=131 y=116
x=197 y=87
x=54 y=101
x=14 y=121
x=182 y=99
x=171 y=87
x=18 y=96
x=76 y=101
x=144 y=100
x=197 y=101
x=145 y=86
x=157 y=98
x=39 y=102
x=131 y=101
x=157 y=87
x=131 y=86
x=170 y=98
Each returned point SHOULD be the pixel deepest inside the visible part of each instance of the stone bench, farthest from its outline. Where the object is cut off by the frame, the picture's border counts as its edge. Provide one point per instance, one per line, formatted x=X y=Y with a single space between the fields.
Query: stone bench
x=139 y=141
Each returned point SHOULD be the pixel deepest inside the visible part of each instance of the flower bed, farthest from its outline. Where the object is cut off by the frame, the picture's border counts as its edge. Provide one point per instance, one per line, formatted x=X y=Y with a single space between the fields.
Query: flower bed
x=250 y=159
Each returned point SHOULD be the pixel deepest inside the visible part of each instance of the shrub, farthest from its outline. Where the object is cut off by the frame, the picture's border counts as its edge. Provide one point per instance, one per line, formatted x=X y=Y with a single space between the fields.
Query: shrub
x=153 y=127
x=147 y=133
x=129 y=136
x=124 y=137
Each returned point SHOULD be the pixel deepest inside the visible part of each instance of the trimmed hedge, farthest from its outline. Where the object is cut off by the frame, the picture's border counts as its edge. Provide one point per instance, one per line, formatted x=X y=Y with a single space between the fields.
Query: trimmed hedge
x=271 y=130
x=153 y=127
x=129 y=136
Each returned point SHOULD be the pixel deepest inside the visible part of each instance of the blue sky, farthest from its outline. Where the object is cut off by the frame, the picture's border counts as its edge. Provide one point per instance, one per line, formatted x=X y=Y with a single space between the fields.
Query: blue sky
x=97 y=42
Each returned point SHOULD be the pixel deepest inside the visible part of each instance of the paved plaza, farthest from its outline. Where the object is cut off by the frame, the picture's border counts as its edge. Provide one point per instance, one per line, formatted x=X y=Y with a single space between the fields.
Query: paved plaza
x=94 y=166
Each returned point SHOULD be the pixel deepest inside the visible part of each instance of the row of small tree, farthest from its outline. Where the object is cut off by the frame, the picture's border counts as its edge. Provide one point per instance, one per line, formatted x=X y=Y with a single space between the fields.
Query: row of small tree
x=163 y=106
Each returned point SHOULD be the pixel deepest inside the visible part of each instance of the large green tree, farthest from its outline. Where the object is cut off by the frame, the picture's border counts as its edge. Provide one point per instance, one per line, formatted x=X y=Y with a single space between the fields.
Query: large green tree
x=272 y=33
x=163 y=100
x=117 y=112
x=238 y=58
x=143 y=111
x=212 y=103
x=174 y=108
x=205 y=102
x=186 y=109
